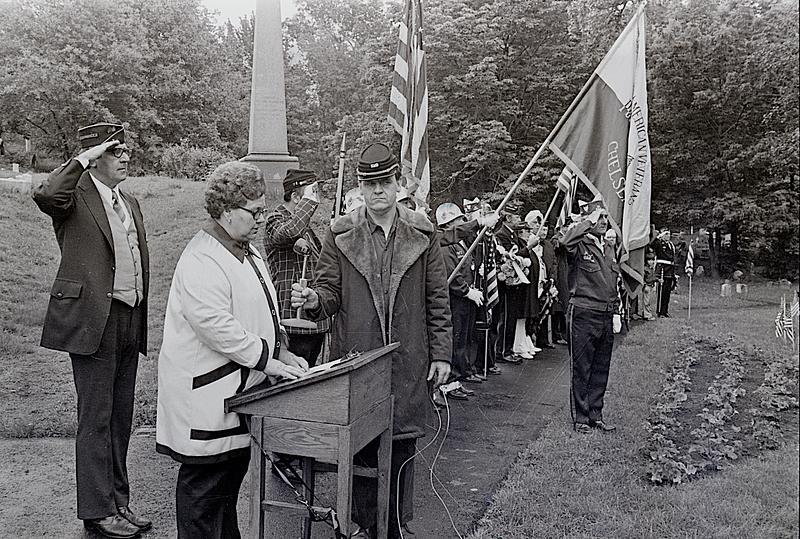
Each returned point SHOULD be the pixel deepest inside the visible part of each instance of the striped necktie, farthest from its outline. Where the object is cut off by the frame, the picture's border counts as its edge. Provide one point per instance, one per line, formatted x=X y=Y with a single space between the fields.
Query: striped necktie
x=115 y=205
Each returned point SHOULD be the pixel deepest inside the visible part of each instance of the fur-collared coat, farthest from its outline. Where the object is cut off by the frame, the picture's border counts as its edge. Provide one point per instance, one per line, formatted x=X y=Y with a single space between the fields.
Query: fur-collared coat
x=349 y=286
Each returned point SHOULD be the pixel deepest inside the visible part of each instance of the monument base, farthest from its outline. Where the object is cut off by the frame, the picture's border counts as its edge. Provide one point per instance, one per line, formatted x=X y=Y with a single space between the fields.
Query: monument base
x=274 y=167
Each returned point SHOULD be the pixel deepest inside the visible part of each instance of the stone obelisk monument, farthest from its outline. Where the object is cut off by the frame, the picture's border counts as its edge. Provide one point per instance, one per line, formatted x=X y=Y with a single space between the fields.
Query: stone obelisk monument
x=268 y=147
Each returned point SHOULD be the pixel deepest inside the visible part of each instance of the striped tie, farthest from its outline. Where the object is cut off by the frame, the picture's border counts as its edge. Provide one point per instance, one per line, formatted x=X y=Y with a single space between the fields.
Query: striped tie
x=115 y=205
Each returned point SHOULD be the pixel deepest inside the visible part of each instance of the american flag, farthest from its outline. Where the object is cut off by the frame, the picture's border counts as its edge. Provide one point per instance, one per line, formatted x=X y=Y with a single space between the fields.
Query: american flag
x=795 y=310
x=408 y=103
x=780 y=331
x=566 y=182
x=788 y=323
x=784 y=323
x=490 y=267
x=690 y=260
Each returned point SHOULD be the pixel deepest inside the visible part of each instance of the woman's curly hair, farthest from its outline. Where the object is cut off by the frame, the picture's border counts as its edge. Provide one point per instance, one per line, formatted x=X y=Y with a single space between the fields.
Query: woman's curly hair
x=231 y=185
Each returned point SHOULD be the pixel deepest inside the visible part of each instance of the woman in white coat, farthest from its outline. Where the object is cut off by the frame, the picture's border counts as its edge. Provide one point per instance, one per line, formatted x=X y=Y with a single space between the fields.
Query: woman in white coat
x=222 y=335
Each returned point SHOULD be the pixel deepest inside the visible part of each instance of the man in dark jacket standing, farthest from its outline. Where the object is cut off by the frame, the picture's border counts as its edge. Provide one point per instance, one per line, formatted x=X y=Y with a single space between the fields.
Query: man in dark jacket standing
x=593 y=301
x=665 y=270
x=98 y=313
x=382 y=274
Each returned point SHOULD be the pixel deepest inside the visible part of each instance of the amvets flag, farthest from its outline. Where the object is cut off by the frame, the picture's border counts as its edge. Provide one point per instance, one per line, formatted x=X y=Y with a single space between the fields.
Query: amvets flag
x=604 y=141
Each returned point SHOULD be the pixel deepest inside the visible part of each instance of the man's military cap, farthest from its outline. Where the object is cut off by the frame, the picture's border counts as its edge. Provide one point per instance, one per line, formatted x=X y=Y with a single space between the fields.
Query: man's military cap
x=297 y=178
x=96 y=134
x=377 y=162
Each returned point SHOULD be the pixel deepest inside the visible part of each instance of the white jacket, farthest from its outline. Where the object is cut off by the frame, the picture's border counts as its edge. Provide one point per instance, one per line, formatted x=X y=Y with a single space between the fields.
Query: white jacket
x=220 y=330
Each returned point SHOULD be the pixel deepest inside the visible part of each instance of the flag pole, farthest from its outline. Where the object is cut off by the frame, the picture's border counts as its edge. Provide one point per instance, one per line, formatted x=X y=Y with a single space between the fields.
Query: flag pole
x=337 y=203
x=689 y=318
x=547 y=213
x=550 y=138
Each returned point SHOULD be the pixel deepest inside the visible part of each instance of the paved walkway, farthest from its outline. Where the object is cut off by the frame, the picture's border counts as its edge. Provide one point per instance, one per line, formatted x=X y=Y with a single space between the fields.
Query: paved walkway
x=486 y=434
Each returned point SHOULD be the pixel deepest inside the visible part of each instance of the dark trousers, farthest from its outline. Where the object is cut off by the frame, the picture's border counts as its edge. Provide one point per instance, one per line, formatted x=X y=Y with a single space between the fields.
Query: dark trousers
x=205 y=499
x=307 y=346
x=105 y=384
x=665 y=291
x=559 y=325
x=590 y=345
x=365 y=489
x=463 y=317
x=503 y=326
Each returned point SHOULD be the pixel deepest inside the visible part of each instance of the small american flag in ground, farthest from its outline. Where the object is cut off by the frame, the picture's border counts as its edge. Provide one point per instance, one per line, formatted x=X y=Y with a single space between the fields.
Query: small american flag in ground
x=788 y=324
x=795 y=307
x=690 y=260
x=408 y=103
x=780 y=330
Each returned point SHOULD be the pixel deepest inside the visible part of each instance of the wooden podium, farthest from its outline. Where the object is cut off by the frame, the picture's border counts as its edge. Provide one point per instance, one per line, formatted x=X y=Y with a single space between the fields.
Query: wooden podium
x=325 y=418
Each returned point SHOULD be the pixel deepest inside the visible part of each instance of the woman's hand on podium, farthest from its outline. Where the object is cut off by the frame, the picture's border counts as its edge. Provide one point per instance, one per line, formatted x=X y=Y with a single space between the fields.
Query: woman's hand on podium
x=282 y=368
x=304 y=297
x=288 y=358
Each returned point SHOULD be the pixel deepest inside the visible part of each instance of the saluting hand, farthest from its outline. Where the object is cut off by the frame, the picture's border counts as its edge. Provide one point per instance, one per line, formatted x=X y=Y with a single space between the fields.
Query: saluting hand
x=95 y=152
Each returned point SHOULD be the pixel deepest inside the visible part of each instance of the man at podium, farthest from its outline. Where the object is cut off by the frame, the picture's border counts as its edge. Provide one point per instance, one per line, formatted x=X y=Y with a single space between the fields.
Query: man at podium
x=382 y=274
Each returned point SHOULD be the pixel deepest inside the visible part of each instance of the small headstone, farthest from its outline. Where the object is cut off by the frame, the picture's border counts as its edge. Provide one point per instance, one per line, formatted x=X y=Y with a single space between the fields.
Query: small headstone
x=737 y=275
x=15 y=168
x=726 y=290
x=741 y=288
x=784 y=283
x=700 y=270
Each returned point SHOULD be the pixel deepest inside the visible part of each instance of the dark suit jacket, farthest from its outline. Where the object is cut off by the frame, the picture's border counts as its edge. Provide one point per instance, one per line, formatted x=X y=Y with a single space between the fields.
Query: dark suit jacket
x=80 y=299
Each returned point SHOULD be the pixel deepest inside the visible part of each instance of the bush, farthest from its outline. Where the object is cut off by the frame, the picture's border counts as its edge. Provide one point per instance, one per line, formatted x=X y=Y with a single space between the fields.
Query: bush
x=185 y=161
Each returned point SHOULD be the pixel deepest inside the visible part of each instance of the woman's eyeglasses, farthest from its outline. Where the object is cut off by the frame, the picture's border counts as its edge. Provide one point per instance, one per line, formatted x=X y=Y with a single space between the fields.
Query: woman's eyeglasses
x=256 y=214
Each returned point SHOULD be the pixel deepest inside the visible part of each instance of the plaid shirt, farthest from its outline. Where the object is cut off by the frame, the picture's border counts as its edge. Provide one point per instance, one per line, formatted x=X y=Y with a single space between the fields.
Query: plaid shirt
x=282 y=229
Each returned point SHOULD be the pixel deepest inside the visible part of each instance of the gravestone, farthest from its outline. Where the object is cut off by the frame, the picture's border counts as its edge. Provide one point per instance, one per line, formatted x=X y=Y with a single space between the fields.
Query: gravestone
x=267 y=148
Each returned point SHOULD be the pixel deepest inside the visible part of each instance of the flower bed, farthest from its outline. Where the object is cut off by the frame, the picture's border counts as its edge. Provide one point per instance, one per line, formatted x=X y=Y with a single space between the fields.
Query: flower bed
x=694 y=433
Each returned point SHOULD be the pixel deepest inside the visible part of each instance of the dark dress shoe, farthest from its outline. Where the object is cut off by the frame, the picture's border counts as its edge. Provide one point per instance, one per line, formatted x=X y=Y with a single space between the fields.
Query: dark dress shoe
x=494 y=370
x=473 y=379
x=466 y=391
x=561 y=341
x=514 y=360
x=140 y=522
x=603 y=426
x=548 y=345
x=114 y=526
x=457 y=394
x=582 y=428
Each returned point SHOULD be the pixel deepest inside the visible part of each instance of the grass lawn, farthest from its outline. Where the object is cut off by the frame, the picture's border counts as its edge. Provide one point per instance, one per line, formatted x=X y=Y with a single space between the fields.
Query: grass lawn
x=571 y=485
x=36 y=387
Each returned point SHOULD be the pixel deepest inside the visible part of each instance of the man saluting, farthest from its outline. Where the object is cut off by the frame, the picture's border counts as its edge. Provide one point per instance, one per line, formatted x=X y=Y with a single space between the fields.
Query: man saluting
x=98 y=313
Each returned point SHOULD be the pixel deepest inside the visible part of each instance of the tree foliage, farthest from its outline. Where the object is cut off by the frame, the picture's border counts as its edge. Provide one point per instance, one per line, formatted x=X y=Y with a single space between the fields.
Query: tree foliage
x=722 y=78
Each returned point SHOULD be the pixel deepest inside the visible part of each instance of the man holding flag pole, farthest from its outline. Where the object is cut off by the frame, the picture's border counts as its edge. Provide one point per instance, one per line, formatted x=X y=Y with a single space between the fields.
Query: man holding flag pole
x=603 y=139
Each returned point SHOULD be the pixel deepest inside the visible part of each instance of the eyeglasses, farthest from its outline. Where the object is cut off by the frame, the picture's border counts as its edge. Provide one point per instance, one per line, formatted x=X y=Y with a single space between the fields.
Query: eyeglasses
x=117 y=151
x=256 y=214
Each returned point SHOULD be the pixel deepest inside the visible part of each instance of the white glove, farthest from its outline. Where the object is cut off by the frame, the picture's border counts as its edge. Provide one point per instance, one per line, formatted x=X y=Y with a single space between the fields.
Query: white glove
x=310 y=192
x=475 y=296
x=489 y=220
x=595 y=215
